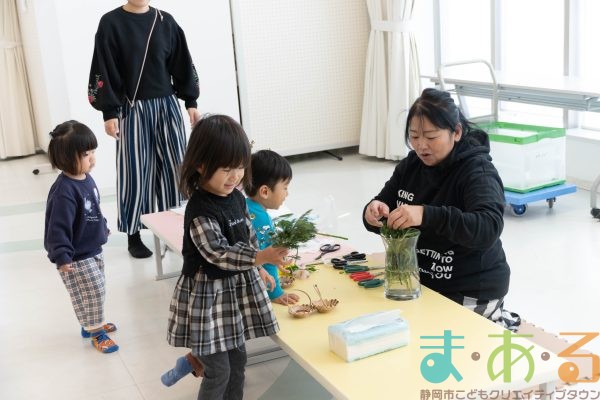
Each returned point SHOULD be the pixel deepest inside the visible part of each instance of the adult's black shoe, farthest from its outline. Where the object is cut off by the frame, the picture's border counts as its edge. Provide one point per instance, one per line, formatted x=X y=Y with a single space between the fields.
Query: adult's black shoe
x=136 y=247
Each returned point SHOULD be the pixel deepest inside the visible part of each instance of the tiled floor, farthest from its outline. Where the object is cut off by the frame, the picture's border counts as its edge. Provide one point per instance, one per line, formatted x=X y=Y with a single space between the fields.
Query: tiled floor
x=554 y=255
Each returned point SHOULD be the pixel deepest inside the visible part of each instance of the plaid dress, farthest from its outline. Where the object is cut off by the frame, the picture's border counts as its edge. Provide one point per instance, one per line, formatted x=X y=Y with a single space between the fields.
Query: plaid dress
x=215 y=315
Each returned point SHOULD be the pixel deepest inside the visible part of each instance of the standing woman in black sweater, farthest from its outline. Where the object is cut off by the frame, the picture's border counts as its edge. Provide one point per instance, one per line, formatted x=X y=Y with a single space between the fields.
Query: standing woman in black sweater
x=141 y=66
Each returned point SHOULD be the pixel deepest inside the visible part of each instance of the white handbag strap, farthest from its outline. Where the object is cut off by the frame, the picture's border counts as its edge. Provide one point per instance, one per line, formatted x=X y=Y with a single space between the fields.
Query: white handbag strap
x=137 y=86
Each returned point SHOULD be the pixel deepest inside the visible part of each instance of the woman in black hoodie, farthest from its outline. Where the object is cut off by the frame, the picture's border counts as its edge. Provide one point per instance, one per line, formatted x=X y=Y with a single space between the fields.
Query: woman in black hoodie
x=448 y=188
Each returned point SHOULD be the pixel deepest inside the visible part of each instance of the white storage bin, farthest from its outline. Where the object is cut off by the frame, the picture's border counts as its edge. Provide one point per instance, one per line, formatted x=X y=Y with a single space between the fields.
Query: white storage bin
x=527 y=157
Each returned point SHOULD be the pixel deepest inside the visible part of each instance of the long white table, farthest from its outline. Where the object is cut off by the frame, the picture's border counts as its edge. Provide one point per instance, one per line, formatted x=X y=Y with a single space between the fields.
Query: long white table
x=555 y=91
x=168 y=227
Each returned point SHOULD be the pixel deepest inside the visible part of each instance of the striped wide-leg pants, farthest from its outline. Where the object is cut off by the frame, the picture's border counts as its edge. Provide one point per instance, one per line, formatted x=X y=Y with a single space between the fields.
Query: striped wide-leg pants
x=149 y=153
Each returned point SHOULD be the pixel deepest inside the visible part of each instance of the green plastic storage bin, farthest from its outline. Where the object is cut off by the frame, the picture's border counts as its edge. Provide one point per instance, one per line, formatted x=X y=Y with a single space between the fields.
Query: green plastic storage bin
x=528 y=157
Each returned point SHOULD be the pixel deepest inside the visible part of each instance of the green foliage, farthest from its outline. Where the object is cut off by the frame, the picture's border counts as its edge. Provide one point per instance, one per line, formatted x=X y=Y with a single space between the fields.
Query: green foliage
x=392 y=233
x=292 y=232
x=401 y=264
x=293 y=268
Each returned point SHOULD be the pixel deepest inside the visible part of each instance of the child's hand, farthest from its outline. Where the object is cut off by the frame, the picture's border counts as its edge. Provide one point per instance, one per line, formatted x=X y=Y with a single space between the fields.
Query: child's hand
x=267 y=278
x=272 y=255
x=283 y=269
x=65 y=268
x=287 y=299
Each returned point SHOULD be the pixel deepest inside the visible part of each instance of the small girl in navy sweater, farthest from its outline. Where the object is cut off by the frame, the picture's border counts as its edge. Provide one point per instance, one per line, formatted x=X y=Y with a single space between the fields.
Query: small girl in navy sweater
x=75 y=229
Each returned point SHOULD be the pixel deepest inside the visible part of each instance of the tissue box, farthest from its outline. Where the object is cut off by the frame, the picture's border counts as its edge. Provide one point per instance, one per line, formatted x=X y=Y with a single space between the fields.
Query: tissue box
x=368 y=334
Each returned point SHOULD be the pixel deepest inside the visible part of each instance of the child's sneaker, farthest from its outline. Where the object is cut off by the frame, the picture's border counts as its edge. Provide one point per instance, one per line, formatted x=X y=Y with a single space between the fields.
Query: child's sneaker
x=108 y=328
x=103 y=343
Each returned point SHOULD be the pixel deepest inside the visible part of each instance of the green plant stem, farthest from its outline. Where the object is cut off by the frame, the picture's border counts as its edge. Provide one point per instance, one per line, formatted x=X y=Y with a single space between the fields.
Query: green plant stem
x=400 y=260
x=333 y=236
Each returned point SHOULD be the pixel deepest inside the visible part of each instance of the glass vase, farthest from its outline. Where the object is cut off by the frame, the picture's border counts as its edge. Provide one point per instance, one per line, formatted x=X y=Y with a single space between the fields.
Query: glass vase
x=401 y=267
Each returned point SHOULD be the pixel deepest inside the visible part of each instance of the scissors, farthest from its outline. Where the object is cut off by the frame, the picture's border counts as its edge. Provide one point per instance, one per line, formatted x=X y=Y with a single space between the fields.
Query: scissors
x=327 y=248
x=340 y=263
x=349 y=269
x=354 y=256
x=364 y=276
x=371 y=283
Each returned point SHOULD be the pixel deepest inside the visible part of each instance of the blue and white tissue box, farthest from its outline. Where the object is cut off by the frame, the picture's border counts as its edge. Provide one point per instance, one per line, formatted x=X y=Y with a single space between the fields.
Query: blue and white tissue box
x=368 y=334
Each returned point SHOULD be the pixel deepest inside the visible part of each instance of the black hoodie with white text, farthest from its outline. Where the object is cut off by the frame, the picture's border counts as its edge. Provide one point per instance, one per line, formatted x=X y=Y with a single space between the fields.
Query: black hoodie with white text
x=459 y=250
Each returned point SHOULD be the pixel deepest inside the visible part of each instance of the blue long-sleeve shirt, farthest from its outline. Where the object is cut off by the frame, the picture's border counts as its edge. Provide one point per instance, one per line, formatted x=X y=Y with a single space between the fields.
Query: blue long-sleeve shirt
x=263 y=224
x=75 y=228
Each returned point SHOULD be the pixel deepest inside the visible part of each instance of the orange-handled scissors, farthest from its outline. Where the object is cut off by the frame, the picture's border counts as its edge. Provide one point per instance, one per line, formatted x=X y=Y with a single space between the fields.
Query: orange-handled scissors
x=363 y=276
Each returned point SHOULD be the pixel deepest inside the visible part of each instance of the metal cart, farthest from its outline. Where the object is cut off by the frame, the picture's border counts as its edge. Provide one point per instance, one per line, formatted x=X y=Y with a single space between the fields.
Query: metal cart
x=517 y=201
x=593 y=193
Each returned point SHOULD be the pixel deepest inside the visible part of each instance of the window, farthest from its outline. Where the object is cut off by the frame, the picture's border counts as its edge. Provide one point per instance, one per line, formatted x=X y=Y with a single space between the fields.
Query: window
x=465 y=30
x=532 y=37
x=589 y=65
x=525 y=38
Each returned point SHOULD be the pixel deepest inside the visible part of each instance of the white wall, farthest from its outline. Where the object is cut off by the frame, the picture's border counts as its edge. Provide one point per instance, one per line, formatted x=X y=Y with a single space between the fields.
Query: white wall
x=583 y=163
x=301 y=67
x=59 y=41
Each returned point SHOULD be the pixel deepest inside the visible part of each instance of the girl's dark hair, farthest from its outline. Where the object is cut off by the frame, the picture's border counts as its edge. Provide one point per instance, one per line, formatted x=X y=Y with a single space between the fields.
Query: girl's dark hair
x=217 y=141
x=69 y=141
x=441 y=110
x=268 y=168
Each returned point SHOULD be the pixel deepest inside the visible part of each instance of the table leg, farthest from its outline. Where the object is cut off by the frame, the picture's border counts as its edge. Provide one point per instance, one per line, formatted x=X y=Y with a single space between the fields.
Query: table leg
x=158 y=258
x=159 y=265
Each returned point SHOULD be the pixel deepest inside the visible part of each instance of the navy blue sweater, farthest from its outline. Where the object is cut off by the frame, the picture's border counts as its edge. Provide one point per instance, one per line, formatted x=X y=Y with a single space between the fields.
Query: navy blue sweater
x=75 y=227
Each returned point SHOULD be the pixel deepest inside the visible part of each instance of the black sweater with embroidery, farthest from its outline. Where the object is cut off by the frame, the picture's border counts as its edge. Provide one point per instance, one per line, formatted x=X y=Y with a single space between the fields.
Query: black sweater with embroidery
x=119 y=49
x=459 y=249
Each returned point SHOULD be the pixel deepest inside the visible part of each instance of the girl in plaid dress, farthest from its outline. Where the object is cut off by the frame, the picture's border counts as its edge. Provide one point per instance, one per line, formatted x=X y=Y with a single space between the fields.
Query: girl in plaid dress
x=220 y=299
x=75 y=229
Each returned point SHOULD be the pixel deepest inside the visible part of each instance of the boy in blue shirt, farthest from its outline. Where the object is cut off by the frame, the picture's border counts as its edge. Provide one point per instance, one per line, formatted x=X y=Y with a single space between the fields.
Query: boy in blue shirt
x=268 y=188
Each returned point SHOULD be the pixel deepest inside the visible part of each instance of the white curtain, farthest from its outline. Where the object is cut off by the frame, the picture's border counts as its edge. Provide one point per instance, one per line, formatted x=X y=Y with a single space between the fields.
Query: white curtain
x=17 y=130
x=392 y=81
